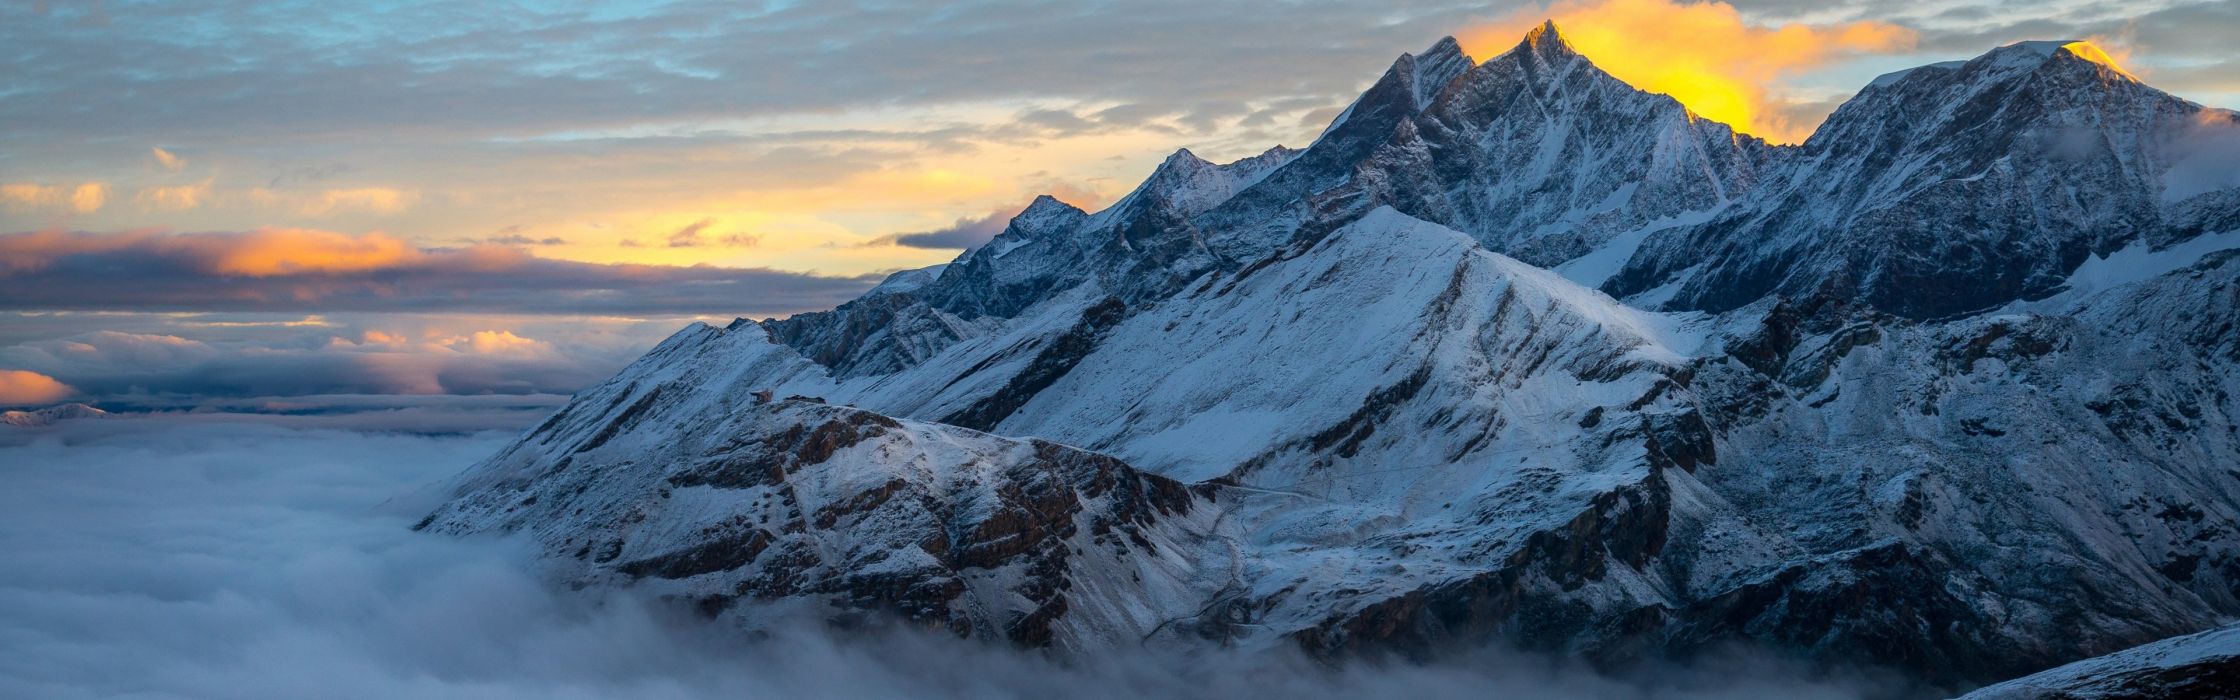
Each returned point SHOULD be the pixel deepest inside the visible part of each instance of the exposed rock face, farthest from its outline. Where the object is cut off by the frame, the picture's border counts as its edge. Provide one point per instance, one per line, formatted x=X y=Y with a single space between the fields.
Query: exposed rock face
x=1331 y=397
x=794 y=499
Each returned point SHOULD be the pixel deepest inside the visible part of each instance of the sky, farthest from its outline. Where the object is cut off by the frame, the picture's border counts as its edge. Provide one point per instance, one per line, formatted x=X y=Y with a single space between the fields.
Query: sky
x=220 y=201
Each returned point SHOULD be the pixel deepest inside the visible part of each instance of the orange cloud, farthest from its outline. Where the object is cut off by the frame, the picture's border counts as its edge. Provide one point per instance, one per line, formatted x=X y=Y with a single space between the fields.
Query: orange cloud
x=286 y=251
x=20 y=387
x=498 y=343
x=380 y=200
x=167 y=159
x=177 y=196
x=380 y=338
x=85 y=198
x=267 y=252
x=89 y=197
x=1702 y=54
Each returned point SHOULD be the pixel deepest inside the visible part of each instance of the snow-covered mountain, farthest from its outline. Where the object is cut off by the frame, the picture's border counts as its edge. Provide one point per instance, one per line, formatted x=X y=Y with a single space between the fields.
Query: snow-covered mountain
x=1954 y=188
x=1949 y=388
x=42 y=417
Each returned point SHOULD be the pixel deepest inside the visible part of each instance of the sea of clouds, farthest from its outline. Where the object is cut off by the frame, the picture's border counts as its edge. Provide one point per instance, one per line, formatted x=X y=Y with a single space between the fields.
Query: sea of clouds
x=197 y=557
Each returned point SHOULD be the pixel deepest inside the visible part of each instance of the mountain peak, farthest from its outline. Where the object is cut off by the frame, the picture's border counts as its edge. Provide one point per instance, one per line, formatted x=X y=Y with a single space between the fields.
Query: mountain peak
x=1045 y=207
x=2028 y=55
x=1547 y=41
x=1445 y=47
x=1183 y=156
x=2088 y=51
x=1430 y=71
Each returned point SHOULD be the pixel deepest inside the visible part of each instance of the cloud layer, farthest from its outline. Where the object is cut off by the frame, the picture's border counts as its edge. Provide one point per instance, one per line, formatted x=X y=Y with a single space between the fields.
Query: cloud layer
x=178 y=557
x=301 y=269
x=284 y=364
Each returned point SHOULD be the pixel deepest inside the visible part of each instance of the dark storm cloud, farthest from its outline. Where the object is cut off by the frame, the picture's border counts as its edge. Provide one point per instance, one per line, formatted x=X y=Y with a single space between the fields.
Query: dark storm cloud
x=152 y=271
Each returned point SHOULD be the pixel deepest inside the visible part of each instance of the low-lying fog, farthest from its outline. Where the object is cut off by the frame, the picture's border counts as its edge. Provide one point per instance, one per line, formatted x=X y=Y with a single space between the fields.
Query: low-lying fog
x=163 y=557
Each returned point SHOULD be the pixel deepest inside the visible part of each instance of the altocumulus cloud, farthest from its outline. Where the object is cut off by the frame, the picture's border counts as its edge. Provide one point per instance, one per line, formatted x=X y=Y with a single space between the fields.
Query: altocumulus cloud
x=310 y=270
x=182 y=556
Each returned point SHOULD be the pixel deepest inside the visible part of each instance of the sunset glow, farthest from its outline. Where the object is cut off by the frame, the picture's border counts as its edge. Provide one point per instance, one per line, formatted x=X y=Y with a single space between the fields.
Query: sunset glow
x=23 y=388
x=1706 y=55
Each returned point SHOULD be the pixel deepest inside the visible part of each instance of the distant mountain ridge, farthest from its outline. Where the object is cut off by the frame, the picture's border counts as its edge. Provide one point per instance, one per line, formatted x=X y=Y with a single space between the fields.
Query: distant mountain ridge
x=42 y=417
x=1512 y=352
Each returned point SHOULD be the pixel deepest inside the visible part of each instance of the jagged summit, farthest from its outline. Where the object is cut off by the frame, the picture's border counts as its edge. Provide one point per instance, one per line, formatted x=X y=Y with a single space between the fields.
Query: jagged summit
x=1430 y=71
x=1546 y=40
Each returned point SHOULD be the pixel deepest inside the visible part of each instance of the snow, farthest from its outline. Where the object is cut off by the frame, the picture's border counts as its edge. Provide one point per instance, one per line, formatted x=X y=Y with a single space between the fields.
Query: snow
x=2135 y=263
x=1592 y=269
x=2110 y=676
x=911 y=280
x=48 y=416
x=1892 y=77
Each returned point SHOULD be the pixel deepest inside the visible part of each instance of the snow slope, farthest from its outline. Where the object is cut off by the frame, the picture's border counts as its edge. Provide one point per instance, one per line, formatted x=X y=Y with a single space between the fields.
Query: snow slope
x=2204 y=665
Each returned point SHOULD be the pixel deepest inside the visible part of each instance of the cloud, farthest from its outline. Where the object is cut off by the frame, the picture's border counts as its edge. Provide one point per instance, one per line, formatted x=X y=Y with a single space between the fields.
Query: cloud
x=1704 y=54
x=84 y=198
x=317 y=271
x=167 y=160
x=371 y=355
x=267 y=252
x=500 y=343
x=206 y=556
x=518 y=239
x=175 y=196
x=690 y=237
x=88 y=198
x=169 y=361
x=2207 y=157
x=379 y=200
x=966 y=233
x=117 y=350
x=24 y=388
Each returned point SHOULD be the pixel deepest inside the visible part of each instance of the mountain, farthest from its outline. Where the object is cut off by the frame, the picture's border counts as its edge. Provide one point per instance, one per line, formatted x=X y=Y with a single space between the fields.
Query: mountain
x=49 y=415
x=1952 y=189
x=1513 y=352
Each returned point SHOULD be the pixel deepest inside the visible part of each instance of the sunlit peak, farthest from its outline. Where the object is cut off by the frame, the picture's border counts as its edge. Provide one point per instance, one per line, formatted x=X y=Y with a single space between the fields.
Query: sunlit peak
x=2092 y=52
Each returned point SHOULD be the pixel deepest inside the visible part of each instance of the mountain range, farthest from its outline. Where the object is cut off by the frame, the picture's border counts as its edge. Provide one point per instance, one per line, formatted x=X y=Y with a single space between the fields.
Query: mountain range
x=1512 y=353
